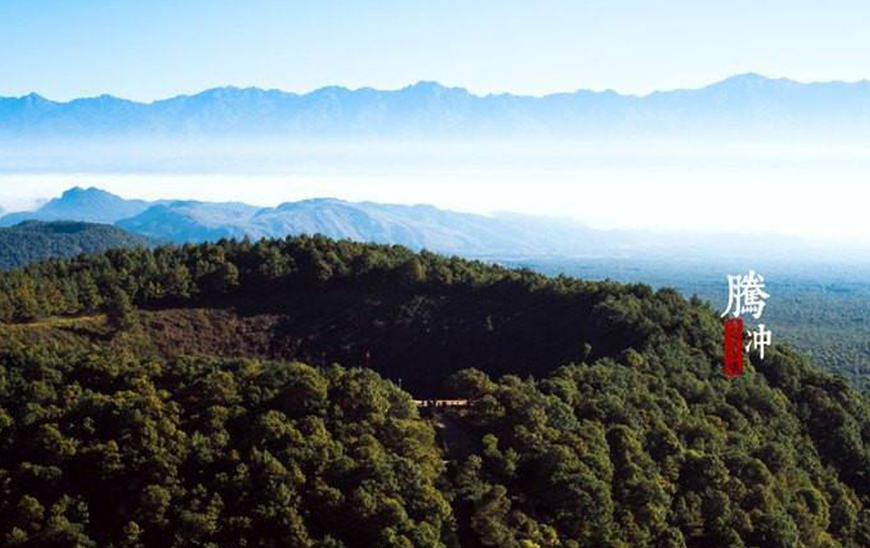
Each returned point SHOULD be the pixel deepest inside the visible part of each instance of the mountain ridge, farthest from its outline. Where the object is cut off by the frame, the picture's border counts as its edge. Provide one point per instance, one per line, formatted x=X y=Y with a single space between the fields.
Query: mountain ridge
x=739 y=78
x=419 y=226
x=80 y=204
x=742 y=105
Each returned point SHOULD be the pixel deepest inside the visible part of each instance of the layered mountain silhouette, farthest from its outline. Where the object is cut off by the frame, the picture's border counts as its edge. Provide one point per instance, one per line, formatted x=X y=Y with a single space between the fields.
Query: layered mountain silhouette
x=501 y=235
x=414 y=226
x=744 y=106
x=78 y=204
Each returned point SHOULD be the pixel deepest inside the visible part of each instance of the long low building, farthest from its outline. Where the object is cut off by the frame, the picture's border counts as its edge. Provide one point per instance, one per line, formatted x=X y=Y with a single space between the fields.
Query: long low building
x=441 y=403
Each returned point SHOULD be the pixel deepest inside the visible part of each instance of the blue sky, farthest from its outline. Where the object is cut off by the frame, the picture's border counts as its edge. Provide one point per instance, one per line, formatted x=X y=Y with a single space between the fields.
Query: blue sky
x=151 y=49
x=146 y=50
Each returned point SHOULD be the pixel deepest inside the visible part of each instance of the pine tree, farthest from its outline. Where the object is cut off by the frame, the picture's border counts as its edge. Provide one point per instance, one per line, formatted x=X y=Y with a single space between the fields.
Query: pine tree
x=89 y=294
x=119 y=310
x=26 y=304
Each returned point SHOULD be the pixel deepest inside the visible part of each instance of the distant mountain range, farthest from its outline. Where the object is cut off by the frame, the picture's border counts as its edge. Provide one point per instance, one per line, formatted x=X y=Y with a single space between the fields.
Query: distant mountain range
x=34 y=241
x=417 y=227
x=744 y=106
x=77 y=204
x=501 y=236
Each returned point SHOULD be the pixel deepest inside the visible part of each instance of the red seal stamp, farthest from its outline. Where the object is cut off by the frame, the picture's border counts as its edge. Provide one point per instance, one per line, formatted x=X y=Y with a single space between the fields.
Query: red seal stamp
x=733 y=347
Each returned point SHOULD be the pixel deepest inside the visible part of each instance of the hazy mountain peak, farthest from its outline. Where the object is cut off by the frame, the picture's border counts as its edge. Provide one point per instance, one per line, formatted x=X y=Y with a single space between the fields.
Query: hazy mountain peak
x=34 y=99
x=87 y=204
x=430 y=87
x=323 y=200
x=81 y=204
x=332 y=90
x=754 y=81
x=79 y=193
x=748 y=77
x=103 y=98
x=235 y=92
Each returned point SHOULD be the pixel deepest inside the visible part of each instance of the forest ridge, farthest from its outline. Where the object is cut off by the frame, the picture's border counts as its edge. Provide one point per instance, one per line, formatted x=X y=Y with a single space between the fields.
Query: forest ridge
x=599 y=413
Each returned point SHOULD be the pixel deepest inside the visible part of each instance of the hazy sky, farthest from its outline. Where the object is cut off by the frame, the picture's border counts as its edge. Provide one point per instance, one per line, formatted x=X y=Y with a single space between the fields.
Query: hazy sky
x=812 y=193
x=152 y=49
x=156 y=48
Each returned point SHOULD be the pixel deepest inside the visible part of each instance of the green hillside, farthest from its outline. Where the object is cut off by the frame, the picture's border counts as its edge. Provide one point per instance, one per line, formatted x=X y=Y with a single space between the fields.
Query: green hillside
x=34 y=241
x=156 y=398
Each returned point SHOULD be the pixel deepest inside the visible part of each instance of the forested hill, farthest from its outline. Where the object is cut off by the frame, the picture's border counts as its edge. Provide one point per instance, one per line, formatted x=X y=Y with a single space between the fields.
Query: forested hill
x=599 y=416
x=34 y=241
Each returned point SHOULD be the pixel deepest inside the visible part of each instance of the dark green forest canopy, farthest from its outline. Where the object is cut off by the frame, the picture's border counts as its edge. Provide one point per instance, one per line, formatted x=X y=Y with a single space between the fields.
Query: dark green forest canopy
x=34 y=241
x=414 y=317
x=599 y=415
x=105 y=450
